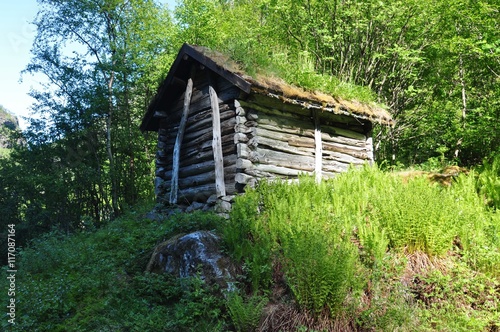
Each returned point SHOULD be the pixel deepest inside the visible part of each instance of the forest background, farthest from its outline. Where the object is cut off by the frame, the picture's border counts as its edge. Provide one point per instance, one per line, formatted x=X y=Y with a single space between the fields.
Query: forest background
x=82 y=159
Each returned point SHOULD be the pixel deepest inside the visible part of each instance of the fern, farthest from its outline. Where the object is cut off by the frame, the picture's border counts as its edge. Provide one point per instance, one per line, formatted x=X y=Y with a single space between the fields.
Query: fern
x=245 y=315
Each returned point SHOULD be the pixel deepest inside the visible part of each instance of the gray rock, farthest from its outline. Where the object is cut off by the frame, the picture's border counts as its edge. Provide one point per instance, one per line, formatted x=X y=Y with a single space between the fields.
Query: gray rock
x=194 y=254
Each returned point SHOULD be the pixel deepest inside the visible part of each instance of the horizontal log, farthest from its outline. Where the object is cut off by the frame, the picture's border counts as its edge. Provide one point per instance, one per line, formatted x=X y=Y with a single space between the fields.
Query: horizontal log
x=240 y=137
x=341 y=157
x=204 y=135
x=227 y=126
x=335 y=131
x=280 y=170
x=356 y=153
x=284 y=146
x=285 y=120
x=278 y=158
x=197 y=168
x=202 y=193
x=242 y=128
x=200 y=100
x=204 y=119
x=307 y=130
x=242 y=150
x=243 y=163
x=335 y=167
x=243 y=178
x=206 y=155
x=208 y=177
x=277 y=104
x=328 y=114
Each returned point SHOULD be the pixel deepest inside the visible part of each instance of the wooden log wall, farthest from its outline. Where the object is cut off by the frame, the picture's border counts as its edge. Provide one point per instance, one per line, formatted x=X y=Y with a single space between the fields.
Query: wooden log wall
x=259 y=137
x=277 y=140
x=196 y=173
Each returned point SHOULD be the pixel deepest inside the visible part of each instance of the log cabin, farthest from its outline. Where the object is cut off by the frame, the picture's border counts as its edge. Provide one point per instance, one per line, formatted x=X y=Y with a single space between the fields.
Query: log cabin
x=220 y=130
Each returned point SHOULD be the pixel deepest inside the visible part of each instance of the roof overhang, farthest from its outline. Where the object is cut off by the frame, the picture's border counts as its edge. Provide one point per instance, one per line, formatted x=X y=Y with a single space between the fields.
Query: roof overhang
x=175 y=82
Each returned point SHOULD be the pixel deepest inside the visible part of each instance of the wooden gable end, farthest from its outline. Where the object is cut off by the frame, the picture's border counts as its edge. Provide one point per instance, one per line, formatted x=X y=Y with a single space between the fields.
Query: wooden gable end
x=219 y=132
x=196 y=158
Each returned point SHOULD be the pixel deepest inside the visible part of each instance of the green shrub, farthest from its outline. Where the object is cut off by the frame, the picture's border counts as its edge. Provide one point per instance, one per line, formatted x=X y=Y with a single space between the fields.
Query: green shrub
x=489 y=181
x=245 y=314
x=95 y=281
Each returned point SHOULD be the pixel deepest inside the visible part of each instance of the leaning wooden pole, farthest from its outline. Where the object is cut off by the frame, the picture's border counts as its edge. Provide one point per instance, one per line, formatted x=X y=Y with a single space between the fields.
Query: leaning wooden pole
x=318 y=153
x=220 y=187
x=178 y=142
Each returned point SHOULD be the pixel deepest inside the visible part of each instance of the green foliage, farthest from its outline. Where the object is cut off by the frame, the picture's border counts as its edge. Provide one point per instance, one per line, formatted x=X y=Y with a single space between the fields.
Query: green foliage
x=342 y=240
x=489 y=181
x=458 y=300
x=345 y=248
x=95 y=280
x=435 y=70
x=248 y=240
x=245 y=314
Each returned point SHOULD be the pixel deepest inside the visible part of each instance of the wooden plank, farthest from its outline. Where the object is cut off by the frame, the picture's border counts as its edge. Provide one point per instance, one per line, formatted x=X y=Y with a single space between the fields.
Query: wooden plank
x=178 y=142
x=243 y=178
x=318 y=152
x=220 y=188
x=207 y=177
x=356 y=153
x=278 y=145
x=369 y=148
x=280 y=170
x=197 y=168
x=243 y=163
x=272 y=157
x=343 y=158
x=203 y=192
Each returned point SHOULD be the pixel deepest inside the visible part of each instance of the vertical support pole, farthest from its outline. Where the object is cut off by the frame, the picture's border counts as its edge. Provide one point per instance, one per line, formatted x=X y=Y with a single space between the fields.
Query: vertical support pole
x=369 y=148
x=178 y=142
x=318 y=152
x=220 y=187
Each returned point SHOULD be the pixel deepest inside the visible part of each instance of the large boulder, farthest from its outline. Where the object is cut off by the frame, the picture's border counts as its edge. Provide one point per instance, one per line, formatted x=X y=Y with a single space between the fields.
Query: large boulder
x=194 y=254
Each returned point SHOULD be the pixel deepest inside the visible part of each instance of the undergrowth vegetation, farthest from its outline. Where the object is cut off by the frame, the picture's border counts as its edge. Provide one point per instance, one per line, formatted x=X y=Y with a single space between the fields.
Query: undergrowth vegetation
x=95 y=281
x=368 y=250
x=375 y=249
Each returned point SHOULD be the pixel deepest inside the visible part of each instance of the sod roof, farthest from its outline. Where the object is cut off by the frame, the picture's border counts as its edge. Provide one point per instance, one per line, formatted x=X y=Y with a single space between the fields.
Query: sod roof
x=263 y=84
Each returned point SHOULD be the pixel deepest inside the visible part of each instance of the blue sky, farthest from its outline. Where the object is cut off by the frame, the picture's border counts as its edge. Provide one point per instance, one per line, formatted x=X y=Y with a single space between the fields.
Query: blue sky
x=16 y=37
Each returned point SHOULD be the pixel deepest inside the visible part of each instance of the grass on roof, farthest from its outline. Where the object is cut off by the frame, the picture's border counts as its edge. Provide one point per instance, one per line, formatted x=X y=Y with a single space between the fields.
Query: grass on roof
x=297 y=70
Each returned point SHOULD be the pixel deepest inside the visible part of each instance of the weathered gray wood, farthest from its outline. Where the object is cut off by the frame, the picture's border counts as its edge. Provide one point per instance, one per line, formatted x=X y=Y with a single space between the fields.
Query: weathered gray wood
x=243 y=163
x=272 y=157
x=343 y=132
x=240 y=137
x=200 y=101
x=335 y=167
x=227 y=127
x=285 y=146
x=277 y=104
x=194 y=139
x=343 y=158
x=242 y=150
x=178 y=143
x=369 y=149
x=203 y=192
x=197 y=168
x=207 y=177
x=318 y=152
x=204 y=119
x=280 y=170
x=243 y=178
x=356 y=153
x=220 y=188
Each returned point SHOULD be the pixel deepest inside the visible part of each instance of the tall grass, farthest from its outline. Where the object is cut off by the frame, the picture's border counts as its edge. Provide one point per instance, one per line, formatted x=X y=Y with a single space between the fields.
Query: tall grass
x=330 y=238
